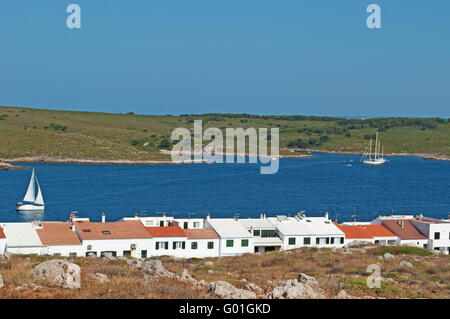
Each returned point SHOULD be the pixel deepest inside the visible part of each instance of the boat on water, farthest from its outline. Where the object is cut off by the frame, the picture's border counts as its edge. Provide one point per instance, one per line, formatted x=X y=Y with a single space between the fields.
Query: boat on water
x=376 y=159
x=33 y=201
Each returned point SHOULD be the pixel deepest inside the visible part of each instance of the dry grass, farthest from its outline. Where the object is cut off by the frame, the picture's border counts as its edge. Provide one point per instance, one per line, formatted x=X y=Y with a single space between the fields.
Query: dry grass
x=430 y=277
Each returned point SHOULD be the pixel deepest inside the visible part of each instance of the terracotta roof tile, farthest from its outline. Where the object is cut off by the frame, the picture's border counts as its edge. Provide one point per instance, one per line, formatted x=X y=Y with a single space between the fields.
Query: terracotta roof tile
x=168 y=231
x=130 y=229
x=379 y=231
x=402 y=228
x=203 y=233
x=57 y=233
x=2 y=234
x=354 y=232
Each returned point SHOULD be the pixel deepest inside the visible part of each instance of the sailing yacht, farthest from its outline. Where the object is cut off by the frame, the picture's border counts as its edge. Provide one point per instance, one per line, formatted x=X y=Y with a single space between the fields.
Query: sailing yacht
x=31 y=201
x=376 y=159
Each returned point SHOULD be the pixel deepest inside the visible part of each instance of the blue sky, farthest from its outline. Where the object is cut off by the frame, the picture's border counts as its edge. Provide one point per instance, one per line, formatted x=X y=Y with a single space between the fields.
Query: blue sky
x=255 y=56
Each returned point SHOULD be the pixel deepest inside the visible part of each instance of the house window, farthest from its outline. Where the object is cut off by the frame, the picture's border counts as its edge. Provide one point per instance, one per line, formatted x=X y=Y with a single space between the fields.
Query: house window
x=127 y=252
x=106 y=232
x=210 y=245
x=57 y=254
x=244 y=243
x=342 y=240
x=149 y=223
x=437 y=235
x=307 y=241
x=256 y=232
x=332 y=240
x=143 y=254
x=185 y=225
x=178 y=245
x=230 y=243
x=268 y=233
x=194 y=245
x=72 y=255
x=162 y=245
x=291 y=241
x=196 y=224
x=327 y=240
x=317 y=240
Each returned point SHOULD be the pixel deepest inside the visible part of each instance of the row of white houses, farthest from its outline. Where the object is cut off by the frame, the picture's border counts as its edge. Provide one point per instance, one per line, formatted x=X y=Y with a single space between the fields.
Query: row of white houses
x=143 y=237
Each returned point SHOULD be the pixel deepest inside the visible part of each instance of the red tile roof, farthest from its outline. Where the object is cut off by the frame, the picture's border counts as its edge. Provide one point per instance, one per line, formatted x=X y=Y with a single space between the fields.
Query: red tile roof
x=354 y=232
x=203 y=233
x=130 y=229
x=57 y=233
x=378 y=231
x=168 y=231
x=402 y=228
x=2 y=234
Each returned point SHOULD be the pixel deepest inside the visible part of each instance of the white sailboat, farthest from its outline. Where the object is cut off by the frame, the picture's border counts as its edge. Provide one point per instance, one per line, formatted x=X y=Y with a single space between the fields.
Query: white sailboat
x=31 y=201
x=376 y=159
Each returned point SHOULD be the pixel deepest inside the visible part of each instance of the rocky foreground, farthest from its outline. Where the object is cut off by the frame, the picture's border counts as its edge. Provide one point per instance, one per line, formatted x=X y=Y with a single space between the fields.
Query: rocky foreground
x=403 y=275
x=9 y=167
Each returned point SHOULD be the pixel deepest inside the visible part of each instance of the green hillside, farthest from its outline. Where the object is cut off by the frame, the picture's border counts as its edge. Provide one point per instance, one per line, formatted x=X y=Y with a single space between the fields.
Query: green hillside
x=28 y=132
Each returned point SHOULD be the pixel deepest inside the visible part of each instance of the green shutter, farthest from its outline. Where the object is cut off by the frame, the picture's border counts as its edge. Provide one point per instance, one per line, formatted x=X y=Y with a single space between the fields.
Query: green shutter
x=244 y=243
x=230 y=243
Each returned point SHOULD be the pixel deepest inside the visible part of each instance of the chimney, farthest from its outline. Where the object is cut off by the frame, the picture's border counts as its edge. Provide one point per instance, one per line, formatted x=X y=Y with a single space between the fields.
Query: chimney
x=326 y=215
x=262 y=216
x=103 y=217
x=164 y=214
x=136 y=215
x=265 y=216
x=207 y=216
x=421 y=216
x=73 y=226
x=403 y=223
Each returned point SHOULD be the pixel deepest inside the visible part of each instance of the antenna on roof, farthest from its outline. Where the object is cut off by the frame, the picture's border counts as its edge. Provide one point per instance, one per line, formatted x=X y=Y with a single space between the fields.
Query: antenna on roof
x=236 y=216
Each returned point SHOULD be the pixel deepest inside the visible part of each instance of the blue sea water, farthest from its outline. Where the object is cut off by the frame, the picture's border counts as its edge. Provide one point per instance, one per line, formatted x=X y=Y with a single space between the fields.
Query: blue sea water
x=323 y=183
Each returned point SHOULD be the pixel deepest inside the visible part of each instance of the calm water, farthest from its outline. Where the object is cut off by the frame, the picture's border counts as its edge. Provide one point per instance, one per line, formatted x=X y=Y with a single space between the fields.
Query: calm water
x=409 y=185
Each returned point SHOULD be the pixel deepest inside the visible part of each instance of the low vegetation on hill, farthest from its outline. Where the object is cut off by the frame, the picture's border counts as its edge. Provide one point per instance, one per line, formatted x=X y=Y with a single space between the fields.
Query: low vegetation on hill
x=28 y=132
x=324 y=273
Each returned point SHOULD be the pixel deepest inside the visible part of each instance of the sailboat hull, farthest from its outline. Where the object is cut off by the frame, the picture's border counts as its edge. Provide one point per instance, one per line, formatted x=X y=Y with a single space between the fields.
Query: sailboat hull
x=30 y=207
x=377 y=161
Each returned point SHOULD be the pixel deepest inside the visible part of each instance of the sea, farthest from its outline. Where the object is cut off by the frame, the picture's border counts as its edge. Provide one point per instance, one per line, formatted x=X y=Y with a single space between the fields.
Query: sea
x=335 y=183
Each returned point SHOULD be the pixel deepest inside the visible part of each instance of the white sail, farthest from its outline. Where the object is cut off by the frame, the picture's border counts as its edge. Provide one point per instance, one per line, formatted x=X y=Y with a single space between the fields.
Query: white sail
x=39 y=199
x=30 y=196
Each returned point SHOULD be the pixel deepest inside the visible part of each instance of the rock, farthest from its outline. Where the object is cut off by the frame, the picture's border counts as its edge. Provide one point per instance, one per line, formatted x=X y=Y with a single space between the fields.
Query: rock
x=155 y=268
x=210 y=271
x=293 y=289
x=226 y=290
x=308 y=280
x=185 y=276
x=406 y=264
x=101 y=278
x=108 y=255
x=413 y=282
x=32 y=286
x=255 y=288
x=208 y=263
x=388 y=256
x=134 y=262
x=59 y=272
x=2 y=284
x=343 y=295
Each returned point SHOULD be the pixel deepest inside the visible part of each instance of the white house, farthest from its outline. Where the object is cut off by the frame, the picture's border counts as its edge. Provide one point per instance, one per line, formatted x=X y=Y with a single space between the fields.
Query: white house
x=127 y=238
x=402 y=227
x=201 y=243
x=234 y=238
x=2 y=242
x=153 y=221
x=437 y=231
x=376 y=234
x=302 y=231
x=264 y=233
x=60 y=239
x=22 y=238
x=189 y=223
x=168 y=240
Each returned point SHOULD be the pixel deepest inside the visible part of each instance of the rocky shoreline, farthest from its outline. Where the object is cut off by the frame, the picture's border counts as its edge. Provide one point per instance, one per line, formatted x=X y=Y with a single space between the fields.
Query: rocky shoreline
x=9 y=167
x=5 y=164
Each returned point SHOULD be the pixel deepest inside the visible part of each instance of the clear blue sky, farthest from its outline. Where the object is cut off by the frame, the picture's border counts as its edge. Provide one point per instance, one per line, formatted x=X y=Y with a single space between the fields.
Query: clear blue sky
x=254 y=56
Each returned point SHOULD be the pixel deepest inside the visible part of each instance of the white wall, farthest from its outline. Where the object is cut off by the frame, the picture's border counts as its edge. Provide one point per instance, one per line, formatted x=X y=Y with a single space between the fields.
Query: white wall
x=2 y=246
x=237 y=248
x=202 y=250
x=299 y=241
x=119 y=245
x=64 y=250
